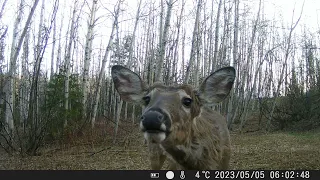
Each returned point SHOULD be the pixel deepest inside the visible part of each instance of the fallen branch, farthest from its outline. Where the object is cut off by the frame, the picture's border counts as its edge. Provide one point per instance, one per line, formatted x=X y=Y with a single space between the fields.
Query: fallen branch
x=99 y=151
x=123 y=150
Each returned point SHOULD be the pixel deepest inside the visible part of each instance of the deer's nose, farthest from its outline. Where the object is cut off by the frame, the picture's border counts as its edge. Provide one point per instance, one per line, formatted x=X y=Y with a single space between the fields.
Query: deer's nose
x=153 y=121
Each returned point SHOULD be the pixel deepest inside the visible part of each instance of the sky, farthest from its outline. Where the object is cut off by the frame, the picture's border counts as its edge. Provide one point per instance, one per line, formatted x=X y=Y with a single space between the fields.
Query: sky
x=274 y=9
x=285 y=9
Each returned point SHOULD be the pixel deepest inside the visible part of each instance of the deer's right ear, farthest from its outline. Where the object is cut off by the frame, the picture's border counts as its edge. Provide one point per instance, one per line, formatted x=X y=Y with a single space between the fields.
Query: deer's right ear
x=128 y=84
x=217 y=86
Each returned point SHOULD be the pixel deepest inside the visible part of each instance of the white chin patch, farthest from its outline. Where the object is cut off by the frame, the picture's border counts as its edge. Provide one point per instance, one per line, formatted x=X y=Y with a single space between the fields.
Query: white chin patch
x=154 y=137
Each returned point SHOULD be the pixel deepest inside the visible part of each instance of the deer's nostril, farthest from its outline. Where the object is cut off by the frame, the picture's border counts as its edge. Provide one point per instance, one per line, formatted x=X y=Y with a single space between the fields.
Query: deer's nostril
x=160 y=117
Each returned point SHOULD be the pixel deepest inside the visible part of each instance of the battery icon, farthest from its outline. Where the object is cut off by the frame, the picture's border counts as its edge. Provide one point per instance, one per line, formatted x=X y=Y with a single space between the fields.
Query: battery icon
x=154 y=175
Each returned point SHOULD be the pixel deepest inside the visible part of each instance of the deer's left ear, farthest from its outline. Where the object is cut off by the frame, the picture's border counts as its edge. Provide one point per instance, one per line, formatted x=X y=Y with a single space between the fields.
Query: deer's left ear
x=216 y=87
x=129 y=85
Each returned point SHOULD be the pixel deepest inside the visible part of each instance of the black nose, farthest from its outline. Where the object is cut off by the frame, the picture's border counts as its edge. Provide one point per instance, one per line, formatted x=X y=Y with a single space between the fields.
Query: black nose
x=152 y=120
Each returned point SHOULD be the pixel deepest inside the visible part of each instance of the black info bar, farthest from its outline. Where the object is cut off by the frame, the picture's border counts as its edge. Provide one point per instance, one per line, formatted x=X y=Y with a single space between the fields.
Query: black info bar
x=159 y=175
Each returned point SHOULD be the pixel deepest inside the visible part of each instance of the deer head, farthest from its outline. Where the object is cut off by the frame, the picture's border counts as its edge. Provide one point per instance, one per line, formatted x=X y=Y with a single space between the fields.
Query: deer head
x=170 y=109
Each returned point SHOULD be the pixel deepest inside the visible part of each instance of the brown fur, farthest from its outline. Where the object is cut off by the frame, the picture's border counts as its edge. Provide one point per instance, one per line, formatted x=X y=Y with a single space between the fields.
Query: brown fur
x=203 y=137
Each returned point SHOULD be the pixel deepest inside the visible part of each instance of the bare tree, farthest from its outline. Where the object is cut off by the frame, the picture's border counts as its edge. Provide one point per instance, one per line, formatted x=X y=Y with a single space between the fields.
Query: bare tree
x=194 y=43
x=104 y=61
x=246 y=75
x=131 y=60
x=2 y=8
x=68 y=59
x=54 y=39
x=285 y=62
x=216 y=37
x=10 y=83
x=230 y=115
x=24 y=86
x=163 y=42
x=13 y=60
x=37 y=122
x=177 y=40
x=87 y=58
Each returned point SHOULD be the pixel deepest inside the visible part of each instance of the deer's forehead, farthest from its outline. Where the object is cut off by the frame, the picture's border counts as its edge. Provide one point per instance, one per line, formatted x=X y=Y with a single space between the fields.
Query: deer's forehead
x=169 y=92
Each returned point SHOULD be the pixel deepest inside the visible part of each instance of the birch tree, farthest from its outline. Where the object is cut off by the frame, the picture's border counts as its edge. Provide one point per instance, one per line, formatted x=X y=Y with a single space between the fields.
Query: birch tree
x=9 y=125
x=53 y=46
x=285 y=62
x=13 y=60
x=35 y=117
x=67 y=61
x=246 y=75
x=58 y=59
x=131 y=61
x=193 y=43
x=39 y=48
x=216 y=37
x=176 y=54
x=104 y=61
x=163 y=42
x=24 y=87
x=87 y=56
x=234 y=63
x=2 y=8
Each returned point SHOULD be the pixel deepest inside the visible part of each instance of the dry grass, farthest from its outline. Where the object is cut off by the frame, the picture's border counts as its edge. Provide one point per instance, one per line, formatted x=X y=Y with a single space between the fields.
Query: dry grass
x=250 y=151
x=276 y=151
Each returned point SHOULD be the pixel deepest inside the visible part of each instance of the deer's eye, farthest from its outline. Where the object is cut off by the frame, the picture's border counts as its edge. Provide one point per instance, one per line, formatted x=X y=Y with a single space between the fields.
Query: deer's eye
x=146 y=100
x=186 y=102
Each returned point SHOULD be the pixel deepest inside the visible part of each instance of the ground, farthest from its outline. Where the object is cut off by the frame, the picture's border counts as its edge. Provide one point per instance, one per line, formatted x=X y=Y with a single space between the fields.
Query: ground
x=278 y=150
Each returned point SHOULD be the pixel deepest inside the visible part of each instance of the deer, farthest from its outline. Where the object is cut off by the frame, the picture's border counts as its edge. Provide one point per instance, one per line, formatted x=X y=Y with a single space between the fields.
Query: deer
x=178 y=122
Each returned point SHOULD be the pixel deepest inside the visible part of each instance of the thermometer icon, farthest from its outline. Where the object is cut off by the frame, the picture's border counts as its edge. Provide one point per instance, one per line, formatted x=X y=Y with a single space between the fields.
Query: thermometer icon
x=182 y=176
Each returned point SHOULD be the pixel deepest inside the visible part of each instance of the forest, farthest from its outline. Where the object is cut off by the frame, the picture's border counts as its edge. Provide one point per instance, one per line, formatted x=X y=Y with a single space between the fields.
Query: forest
x=59 y=108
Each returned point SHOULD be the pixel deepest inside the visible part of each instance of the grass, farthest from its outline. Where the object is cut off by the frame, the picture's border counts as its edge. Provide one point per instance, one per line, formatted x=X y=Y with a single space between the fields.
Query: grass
x=280 y=150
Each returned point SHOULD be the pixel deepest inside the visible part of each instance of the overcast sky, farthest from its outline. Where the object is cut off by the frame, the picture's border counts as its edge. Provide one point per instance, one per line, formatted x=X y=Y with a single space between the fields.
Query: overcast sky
x=282 y=10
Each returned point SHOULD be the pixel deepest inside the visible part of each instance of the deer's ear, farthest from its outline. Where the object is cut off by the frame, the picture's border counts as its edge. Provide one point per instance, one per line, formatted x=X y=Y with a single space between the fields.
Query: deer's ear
x=128 y=84
x=216 y=87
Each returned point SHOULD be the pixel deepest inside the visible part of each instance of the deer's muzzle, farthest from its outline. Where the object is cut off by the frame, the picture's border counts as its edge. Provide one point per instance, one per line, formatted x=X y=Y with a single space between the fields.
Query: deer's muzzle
x=155 y=124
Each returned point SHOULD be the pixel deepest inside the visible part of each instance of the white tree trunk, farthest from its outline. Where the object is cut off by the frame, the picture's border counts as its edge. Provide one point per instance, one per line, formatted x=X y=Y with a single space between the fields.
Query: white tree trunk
x=59 y=44
x=9 y=125
x=177 y=40
x=13 y=60
x=24 y=88
x=234 y=63
x=193 y=46
x=104 y=61
x=87 y=58
x=2 y=8
x=53 y=46
x=216 y=38
x=163 y=42
x=67 y=62
x=130 y=62
x=197 y=68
